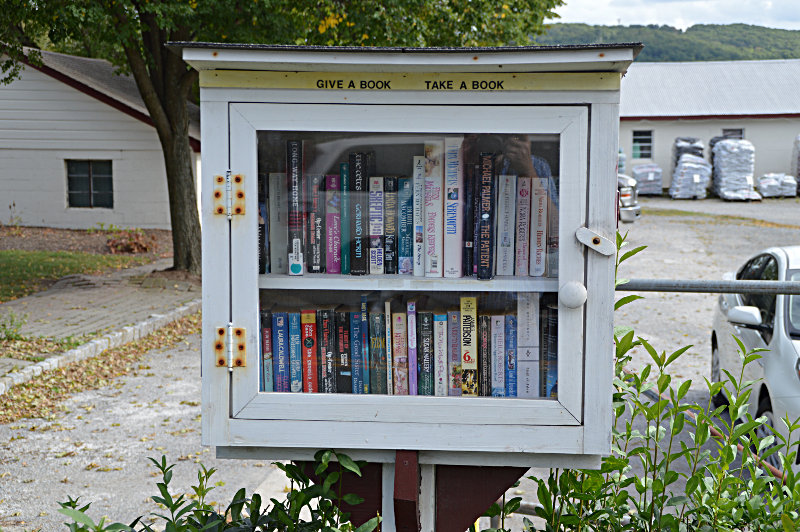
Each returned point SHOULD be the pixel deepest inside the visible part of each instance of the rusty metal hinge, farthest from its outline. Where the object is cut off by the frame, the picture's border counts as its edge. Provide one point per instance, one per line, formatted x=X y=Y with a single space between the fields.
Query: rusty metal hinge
x=228 y=194
x=230 y=349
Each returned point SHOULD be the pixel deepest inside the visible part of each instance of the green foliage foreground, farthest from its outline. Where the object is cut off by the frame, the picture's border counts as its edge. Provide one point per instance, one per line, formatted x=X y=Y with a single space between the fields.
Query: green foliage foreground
x=723 y=484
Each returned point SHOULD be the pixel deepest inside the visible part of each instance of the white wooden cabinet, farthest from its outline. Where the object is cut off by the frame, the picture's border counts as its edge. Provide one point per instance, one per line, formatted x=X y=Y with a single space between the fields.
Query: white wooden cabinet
x=563 y=102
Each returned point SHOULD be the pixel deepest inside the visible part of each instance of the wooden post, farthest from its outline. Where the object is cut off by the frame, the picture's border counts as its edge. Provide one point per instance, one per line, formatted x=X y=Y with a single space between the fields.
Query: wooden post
x=406 y=491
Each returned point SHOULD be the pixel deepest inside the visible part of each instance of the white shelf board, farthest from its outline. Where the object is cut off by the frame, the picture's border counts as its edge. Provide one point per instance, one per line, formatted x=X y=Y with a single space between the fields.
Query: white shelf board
x=322 y=281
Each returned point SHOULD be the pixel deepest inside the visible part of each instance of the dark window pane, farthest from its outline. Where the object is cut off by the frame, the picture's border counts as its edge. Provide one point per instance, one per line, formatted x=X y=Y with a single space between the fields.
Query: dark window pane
x=101 y=168
x=78 y=168
x=79 y=199
x=78 y=184
x=101 y=184
x=103 y=199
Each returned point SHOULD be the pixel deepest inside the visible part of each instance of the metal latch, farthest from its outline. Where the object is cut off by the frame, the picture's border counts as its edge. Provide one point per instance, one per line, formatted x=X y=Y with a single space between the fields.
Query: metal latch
x=228 y=194
x=229 y=347
x=597 y=242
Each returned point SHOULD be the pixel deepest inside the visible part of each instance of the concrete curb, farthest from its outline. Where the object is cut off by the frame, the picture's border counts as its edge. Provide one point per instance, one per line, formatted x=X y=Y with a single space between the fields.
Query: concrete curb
x=98 y=345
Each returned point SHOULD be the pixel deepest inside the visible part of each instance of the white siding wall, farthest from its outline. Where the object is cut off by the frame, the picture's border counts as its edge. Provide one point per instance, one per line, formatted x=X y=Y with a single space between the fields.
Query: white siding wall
x=772 y=138
x=44 y=122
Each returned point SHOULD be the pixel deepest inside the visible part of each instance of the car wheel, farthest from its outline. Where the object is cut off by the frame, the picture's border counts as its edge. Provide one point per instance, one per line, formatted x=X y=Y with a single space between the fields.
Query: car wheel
x=716 y=375
x=762 y=431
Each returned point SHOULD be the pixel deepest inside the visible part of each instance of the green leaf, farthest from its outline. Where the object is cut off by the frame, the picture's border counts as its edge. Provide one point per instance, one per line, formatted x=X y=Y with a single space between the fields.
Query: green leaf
x=370 y=525
x=631 y=253
x=347 y=463
x=625 y=300
x=78 y=516
x=788 y=524
x=352 y=499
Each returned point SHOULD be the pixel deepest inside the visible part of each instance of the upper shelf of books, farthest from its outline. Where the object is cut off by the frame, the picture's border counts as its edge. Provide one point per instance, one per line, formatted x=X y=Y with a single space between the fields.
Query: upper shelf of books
x=402 y=211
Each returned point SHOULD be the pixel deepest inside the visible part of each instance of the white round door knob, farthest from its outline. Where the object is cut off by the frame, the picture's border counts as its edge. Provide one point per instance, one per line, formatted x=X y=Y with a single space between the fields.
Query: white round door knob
x=572 y=294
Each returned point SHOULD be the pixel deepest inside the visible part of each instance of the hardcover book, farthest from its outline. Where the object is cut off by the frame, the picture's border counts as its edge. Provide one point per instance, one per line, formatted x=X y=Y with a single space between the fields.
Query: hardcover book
x=549 y=346
x=453 y=207
x=405 y=229
x=425 y=353
x=511 y=355
x=454 y=352
x=365 y=352
x=278 y=224
x=468 y=250
x=434 y=207
x=390 y=223
x=522 y=248
x=355 y=352
x=295 y=354
x=308 y=337
x=377 y=351
x=469 y=345
x=326 y=330
x=315 y=223
x=267 y=379
x=296 y=215
x=280 y=350
x=485 y=230
x=506 y=227
x=263 y=242
x=418 y=198
x=333 y=225
x=441 y=377
x=358 y=214
x=498 y=355
x=387 y=320
x=344 y=363
x=528 y=344
x=344 y=216
x=376 y=226
x=411 y=310
x=484 y=355
x=552 y=229
x=476 y=218
x=538 y=227
x=400 y=353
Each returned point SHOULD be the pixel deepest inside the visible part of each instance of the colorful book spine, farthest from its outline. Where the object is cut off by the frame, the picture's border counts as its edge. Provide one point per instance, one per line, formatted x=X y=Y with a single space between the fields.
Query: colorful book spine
x=295 y=353
x=376 y=226
x=522 y=249
x=263 y=242
x=468 y=231
x=405 y=226
x=498 y=355
x=485 y=231
x=267 y=378
x=278 y=226
x=511 y=355
x=308 y=324
x=280 y=350
x=358 y=215
x=549 y=345
x=377 y=352
x=528 y=344
x=476 y=218
x=355 y=352
x=387 y=320
x=453 y=207
x=538 y=227
x=344 y=363
x=365 y=353
x=418 y=213
x=390 y=223
x=327 y=349
x=344 y=216
x=425 y=354
x=454 y=352
x=441 y=377
x=411 y=311
x=294 y=173
x=484 y=355
x=552 y=229
x=400 y=353
x=506 y=226
x=333 y=225
x=434 y=208
x=469 y=346
x=315 y=223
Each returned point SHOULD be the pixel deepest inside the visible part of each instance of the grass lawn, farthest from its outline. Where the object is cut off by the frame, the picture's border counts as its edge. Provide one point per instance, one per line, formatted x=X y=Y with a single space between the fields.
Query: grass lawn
x=25 y=272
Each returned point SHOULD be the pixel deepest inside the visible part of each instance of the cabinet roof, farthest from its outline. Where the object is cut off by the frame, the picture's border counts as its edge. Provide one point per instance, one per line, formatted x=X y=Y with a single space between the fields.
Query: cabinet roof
x=562 y=58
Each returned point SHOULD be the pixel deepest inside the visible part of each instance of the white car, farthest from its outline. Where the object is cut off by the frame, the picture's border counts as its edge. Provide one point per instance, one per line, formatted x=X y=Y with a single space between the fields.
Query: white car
x=767 y=321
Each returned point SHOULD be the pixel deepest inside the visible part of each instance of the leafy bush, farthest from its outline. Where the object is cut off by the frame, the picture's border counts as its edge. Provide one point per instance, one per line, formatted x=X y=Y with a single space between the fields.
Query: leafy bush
x=131 y=241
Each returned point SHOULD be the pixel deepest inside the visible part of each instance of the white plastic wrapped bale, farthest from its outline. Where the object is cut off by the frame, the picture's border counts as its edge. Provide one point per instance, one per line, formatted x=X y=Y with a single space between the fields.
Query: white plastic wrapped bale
x=789 y=186
x=690 y=178
x=621 y=162
x=682 y=145
x=796 y=160
x=771 y=185
x=648 y=178
x=734 y=166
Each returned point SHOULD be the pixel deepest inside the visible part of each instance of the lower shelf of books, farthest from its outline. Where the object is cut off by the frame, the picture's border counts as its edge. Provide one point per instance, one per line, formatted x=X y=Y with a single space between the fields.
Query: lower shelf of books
x=389 y=342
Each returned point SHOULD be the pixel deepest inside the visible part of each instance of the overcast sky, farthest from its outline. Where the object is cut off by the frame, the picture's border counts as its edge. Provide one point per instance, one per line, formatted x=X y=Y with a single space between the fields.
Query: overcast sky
x=683 y=13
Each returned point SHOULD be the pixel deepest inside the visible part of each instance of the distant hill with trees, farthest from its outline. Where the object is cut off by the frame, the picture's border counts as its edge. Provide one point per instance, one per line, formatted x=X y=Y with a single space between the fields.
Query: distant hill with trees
x=702 y=42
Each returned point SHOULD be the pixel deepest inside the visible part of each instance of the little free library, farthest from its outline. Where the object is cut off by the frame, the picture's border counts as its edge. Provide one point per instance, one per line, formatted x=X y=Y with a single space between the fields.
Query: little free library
x=409 y=252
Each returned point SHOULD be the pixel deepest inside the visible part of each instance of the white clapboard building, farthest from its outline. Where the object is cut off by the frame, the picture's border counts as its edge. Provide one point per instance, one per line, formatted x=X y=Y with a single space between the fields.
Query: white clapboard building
x=755 y=100
x=78 y=148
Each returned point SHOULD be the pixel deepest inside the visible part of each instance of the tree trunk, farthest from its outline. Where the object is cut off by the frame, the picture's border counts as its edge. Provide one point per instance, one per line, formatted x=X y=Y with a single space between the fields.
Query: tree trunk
x=183 y=211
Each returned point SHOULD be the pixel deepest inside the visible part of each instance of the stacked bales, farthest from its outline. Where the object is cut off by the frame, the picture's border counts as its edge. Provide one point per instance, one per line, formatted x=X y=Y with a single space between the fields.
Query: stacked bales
x=648 y=178
x=777 y=186
x=734 y=166
x=796 y=163
x=691 y=178
x=686 y=145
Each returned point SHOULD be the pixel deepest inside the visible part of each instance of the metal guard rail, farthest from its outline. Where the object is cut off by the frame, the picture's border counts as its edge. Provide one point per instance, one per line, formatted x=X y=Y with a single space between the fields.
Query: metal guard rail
x=712 y=287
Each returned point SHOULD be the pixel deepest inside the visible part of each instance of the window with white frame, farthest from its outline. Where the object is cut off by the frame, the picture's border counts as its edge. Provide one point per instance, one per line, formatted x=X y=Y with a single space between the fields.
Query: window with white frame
x=733 y=133
x=89 y=184
x=642 y=145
